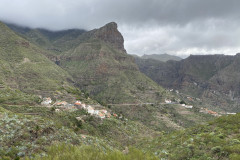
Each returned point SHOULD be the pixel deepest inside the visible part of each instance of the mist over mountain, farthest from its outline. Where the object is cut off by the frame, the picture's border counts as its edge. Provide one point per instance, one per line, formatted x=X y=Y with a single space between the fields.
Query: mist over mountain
x=78 y=93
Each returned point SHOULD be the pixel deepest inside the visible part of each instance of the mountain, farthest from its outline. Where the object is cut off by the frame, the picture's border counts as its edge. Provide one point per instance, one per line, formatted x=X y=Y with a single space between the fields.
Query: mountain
x=213 y=78
x=36 y=62
x=24 y=69
x=98 y=63
x=161 y=57
x=55 y=41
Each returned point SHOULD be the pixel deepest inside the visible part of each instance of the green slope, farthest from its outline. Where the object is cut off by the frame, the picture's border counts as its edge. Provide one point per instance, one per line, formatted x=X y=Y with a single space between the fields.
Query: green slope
x=25 y=68
x=219 y=139
x=98 y=63
x=101 y=66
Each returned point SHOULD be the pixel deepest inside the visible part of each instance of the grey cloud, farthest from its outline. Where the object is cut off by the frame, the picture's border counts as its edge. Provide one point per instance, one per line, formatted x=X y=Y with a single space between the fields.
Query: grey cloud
x=149 y=26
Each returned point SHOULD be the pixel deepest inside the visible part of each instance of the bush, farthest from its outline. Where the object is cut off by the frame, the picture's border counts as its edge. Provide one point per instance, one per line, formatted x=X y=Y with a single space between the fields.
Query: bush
x=216 y=149
x=70 y=152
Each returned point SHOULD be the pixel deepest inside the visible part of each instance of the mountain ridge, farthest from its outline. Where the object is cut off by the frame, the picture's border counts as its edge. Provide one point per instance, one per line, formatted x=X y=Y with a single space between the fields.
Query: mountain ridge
x=204 y=76
x=100 y=65
x=161 y=57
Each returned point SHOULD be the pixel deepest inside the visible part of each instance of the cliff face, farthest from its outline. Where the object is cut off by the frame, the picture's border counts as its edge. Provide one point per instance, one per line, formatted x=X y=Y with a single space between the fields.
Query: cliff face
x=110 y=34
x=99 y=64
x=214 y=78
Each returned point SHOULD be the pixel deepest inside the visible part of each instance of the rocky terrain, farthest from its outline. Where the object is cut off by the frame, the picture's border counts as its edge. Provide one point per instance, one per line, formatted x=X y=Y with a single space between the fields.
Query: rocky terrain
x=213 y=78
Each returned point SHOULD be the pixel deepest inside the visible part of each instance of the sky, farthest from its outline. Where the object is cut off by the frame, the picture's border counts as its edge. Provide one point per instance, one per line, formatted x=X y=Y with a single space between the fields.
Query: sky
x=177 y=27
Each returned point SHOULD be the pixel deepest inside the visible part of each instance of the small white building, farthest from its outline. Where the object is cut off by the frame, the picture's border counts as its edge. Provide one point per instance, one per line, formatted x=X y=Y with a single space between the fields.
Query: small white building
x=96 y=112
x=83 y=106
x=188 y=106
x=168 y=101
x=57 y=110
x=231 y=113
x=46 y=101
x=90 y=110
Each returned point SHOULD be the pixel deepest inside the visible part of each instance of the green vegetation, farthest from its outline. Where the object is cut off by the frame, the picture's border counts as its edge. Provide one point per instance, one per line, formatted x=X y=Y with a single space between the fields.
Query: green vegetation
x=97 y=67
x=70 y=152
x=219 y=139
x=102 y=70
x=24 y=67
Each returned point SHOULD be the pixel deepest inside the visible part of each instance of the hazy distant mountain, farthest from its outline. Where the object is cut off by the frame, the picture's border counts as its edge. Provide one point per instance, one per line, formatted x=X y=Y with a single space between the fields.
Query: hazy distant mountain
x=161 y=57
x=214 y=78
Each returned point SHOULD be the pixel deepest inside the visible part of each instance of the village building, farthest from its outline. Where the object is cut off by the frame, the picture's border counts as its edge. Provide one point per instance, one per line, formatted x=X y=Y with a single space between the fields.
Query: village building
x=188 y=106
x=168 y=101
x=108 y=115
x=90 y=110
x=83 y=106
x=62 y=103
x=96 y=112
x=57 y=110
x=77 y=103
x=231 y=113
x=103 y=111
x=101 y=115
x=46 y=101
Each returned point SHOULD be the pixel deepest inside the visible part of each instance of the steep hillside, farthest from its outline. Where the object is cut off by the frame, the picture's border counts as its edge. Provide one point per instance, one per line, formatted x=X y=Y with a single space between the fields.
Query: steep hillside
x=55 y=41
x=99 y=64
x=162 y=57
x=219 y=139
x=213 y=78
x=23 y=67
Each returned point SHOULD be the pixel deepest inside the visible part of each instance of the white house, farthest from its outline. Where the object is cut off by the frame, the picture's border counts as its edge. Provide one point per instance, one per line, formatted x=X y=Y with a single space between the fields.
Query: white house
x=96 y=112
x=188 y=106
x=90 y=110
x=168 y=101
x=46 y=101
x=83 y=106
x=231 y=113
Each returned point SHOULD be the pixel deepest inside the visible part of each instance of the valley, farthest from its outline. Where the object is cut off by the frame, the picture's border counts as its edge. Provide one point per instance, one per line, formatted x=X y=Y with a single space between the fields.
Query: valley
x=77 y=93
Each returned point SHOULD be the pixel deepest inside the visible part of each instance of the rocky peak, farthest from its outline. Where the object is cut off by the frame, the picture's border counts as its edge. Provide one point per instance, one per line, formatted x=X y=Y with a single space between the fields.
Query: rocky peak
x=110 y=34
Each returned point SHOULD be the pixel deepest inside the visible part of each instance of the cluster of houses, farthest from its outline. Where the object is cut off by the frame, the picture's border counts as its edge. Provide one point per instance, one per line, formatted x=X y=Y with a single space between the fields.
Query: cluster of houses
x=64 y=106
x=168 y=101
x=207 y=111
x=103 y=113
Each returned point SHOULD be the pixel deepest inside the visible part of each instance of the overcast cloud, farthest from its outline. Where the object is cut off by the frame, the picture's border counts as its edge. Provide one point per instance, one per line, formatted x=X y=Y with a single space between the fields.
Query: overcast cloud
x=179 y=27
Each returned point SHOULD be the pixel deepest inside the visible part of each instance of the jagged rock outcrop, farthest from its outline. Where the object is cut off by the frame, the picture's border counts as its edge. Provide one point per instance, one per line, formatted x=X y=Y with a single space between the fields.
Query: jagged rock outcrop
x=110 y=34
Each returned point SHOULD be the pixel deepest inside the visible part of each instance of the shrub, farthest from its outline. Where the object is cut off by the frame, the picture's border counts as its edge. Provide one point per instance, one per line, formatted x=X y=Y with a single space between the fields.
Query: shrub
x=216 y=149
x=70 y=152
